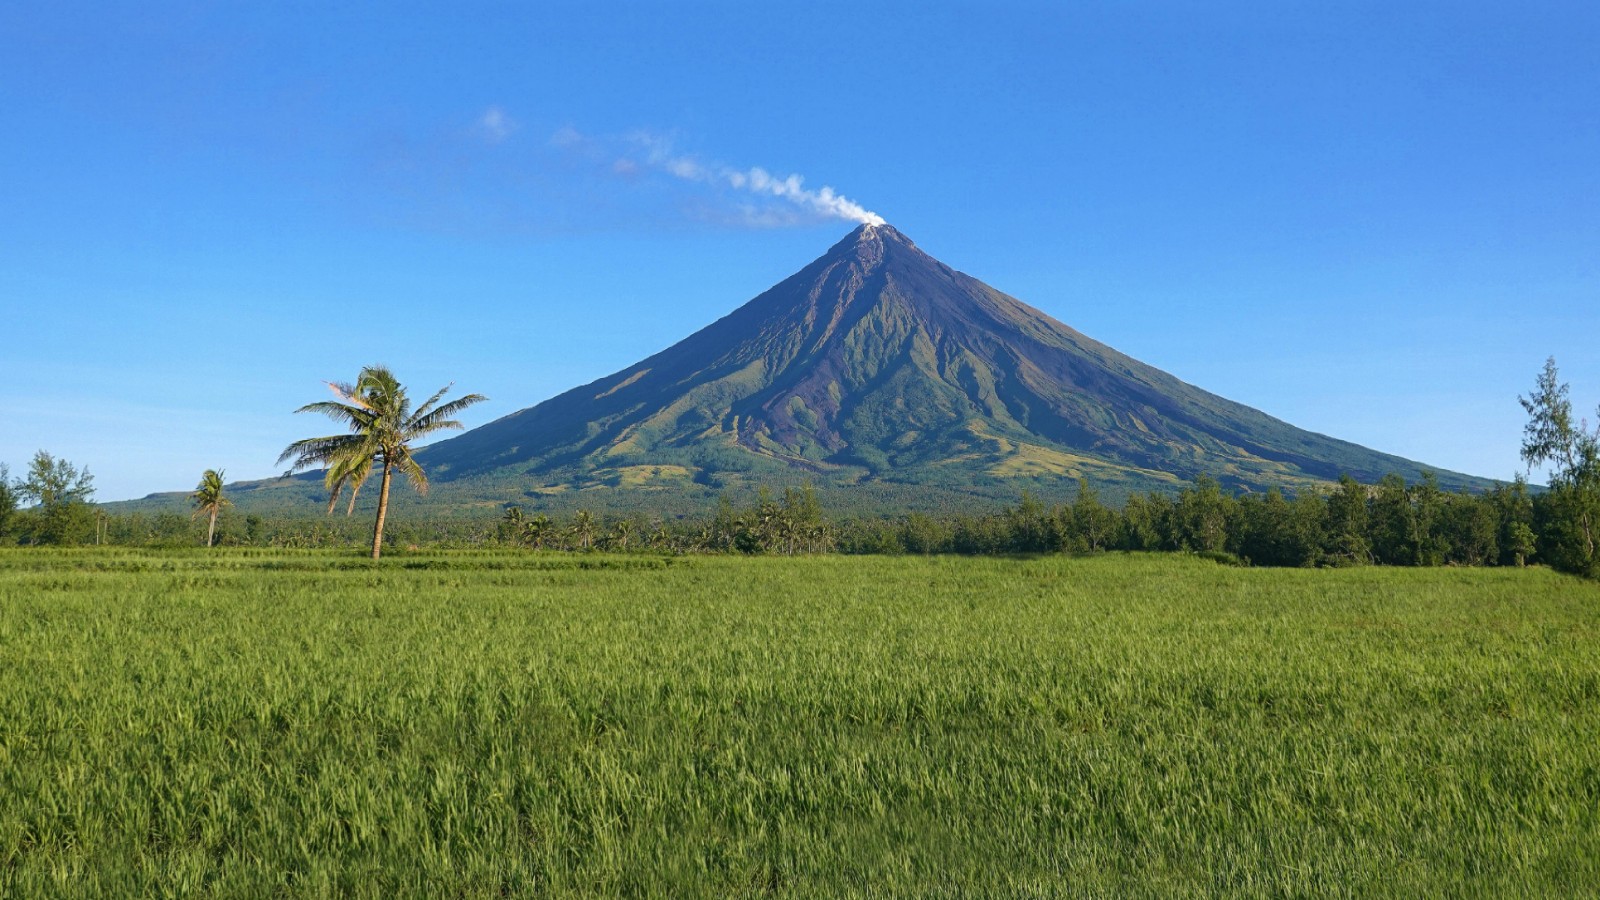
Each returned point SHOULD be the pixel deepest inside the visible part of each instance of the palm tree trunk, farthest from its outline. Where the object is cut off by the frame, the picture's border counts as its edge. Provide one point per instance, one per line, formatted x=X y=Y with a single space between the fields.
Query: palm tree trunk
x=211 y=529
x=383 y=510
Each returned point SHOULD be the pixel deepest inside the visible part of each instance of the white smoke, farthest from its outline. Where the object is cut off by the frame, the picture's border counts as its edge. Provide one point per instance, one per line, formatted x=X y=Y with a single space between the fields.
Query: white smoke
x=658 y=154
x=823 y=200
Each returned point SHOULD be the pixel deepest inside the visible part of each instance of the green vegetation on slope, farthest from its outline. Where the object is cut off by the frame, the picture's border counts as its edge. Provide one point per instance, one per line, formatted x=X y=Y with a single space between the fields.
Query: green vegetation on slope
x=246 y=723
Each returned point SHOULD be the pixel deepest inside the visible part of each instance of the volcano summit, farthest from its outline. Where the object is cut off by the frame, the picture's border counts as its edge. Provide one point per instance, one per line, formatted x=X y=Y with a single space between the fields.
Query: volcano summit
x=881 y=368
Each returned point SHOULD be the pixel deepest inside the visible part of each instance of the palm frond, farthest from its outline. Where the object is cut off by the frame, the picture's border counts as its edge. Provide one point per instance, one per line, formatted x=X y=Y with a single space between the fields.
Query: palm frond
x=353 y=466
x=355 y=491
x=413 y=473
x=353 y=473
x=346 y=391
x=356 y=465
x=344 y=413
x=333 y=497
x=318 y=450
x=376 y=384
x=428 y=404
x=439 y=419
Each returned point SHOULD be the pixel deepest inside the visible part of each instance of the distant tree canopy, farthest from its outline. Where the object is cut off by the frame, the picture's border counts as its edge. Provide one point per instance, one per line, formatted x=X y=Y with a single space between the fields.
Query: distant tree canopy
x=1353 y=524
x=1570 y=513
x=55 y=482
x=9 y=500
x=59 y=493
x=1391 y=523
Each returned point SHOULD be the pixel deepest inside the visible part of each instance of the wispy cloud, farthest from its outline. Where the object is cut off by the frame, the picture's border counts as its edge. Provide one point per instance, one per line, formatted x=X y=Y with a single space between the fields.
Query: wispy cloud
x=495 y=125
x=566 y=136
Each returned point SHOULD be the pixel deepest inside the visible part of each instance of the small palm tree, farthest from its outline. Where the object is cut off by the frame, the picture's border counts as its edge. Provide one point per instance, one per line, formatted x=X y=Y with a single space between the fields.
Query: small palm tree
x=583 y=527
x=208 y=501
x=511 y=524
x=621 y=534
x=382 y=427
x=538 y=530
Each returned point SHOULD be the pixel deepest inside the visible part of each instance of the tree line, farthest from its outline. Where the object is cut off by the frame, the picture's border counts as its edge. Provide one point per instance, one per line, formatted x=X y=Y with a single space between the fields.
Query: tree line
x=1392 y=522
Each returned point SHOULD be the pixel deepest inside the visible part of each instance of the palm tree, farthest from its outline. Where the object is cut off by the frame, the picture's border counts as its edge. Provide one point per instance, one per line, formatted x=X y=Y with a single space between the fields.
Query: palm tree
x=382 y=426
x=208 y=500
x=621 y=533
x=538 y=530
x=583 y=527
x=511 y=524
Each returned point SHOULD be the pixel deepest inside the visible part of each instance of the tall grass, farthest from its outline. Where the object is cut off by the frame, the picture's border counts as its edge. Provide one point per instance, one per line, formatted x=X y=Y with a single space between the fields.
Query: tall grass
x=257 y=723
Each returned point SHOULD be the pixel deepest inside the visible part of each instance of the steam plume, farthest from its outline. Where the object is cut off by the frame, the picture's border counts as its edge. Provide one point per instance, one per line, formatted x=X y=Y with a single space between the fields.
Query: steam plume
x=654 y=152
x=823 y=200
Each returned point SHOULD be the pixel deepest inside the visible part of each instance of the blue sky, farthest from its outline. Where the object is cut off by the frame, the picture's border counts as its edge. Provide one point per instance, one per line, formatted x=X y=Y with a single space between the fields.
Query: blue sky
x=1371 y=220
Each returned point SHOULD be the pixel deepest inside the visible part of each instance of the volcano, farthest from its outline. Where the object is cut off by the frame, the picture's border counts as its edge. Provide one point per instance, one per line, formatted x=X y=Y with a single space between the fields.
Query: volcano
x=879 y=367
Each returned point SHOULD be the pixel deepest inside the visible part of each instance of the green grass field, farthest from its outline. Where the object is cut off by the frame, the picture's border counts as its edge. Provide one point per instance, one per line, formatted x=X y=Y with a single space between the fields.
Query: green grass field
x=261 y=723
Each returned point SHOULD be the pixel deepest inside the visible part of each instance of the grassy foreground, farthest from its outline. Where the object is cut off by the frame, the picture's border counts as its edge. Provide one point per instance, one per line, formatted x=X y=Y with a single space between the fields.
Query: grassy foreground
x=260 y=723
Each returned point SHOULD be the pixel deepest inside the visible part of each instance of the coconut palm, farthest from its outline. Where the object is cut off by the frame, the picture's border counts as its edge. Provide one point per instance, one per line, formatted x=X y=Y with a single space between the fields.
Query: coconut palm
x=511 y=524
x=208 y=501
x=382 y=426
x=583 y=528
x=538 y=530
